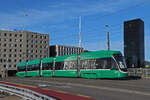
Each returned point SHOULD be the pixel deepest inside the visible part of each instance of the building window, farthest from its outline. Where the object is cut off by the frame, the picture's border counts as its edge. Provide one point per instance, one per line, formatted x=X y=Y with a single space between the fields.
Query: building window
x=9 y=60
x=4 y=55
x=9 y=66
x=20 y=50
x=15 y=55
x=15 y=40
x=31 y=41
x=5 y=45
x=4 y=66
x=9 y=55
x=20 y=45
x=15 y=60
x=15 y=35
x=15 y=66
x=41 y=37
x=20 y=40
x=5 y=39
x=10 y=40
x=20 y=55
x=15 y=50
x=31 y=51
x=4 y=50
x=20 y=35
x=31 y=46
x=10 y=50
x=15 y=45
x=1 y=60
x=32 y=36
x=5 y=34
x=10 y=34
x=40 y=51
x=36 y=36
x=10 y=45
x=36 y=41
x=44 y=37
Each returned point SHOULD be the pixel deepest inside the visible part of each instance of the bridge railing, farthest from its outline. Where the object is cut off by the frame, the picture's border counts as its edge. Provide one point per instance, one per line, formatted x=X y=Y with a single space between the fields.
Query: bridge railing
x=141 y=72
x=25 y=93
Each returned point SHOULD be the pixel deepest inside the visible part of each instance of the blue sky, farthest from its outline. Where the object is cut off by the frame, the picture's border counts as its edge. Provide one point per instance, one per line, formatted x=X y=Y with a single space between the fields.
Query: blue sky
x=60 y=19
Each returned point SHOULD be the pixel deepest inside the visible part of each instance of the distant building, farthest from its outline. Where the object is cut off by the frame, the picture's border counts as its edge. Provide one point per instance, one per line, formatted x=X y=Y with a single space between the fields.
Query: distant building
x=134 y=43
x=17 y=46
x=61 y=50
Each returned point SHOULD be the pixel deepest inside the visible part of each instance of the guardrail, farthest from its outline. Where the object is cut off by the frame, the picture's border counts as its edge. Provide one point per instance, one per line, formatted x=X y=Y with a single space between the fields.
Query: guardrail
x=25 y=93
x=141 y=72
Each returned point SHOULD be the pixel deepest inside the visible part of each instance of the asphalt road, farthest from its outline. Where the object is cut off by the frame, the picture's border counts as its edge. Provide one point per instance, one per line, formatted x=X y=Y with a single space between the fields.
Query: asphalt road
x=101 y=89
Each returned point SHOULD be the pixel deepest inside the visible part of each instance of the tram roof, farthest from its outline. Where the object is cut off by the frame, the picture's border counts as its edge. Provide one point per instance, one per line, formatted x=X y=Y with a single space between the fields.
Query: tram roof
x=87 y=55
x=20 y=64
x=32 y=62
x=47 y=60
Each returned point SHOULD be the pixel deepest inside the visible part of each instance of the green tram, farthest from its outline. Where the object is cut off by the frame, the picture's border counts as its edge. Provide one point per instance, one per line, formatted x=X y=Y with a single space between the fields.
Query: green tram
x=95 y=64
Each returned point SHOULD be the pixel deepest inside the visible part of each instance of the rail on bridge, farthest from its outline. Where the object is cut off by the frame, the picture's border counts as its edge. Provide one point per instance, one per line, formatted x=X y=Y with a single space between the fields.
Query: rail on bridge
x=140 y=72
x=34 y=93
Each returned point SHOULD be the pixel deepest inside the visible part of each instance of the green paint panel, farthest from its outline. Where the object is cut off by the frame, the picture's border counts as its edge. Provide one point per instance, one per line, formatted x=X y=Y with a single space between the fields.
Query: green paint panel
x=102 y=74
x=66 y=73
x=47 y=60
x=66 y=58
x=32 y=62
x=47 y=73
x=98 y=54
x=33 y=73
x=21 y=74
x=20 y=64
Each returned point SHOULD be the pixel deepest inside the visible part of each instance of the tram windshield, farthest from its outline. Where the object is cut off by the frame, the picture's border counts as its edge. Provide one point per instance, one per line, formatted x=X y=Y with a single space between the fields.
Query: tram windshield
x=121 y=61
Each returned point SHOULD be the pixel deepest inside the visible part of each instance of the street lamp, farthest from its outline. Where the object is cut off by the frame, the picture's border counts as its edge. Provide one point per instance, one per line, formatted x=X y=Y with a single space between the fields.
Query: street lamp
x=108 y=40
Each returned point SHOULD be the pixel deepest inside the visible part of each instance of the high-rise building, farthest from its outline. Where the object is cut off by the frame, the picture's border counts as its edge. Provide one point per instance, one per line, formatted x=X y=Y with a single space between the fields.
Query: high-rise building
x=61 y=50
x=17 y=46
x=134 y=43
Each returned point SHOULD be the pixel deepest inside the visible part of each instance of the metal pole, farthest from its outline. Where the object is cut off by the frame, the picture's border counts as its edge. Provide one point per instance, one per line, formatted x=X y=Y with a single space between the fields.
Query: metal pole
x=80 y=41
x=53 y=66
x=41 y=68
x=108 y=40
x=79 y=55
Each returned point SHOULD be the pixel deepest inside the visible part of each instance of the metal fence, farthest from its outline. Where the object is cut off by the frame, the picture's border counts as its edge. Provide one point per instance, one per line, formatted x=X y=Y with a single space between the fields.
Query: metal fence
x=140 y=72
x=26 y=94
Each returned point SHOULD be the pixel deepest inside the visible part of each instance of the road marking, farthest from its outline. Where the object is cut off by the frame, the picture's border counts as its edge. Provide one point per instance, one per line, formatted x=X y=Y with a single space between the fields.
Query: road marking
x=97 y=87
x=45 y=89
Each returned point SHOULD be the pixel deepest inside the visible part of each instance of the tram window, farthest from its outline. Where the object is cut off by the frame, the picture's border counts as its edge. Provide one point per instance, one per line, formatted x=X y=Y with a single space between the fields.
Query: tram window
x=47 y=66
x=105 y=63
x=59 y=65
x=88 y=64
x=33 y=67
x=70 y=65
x=22 y=68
